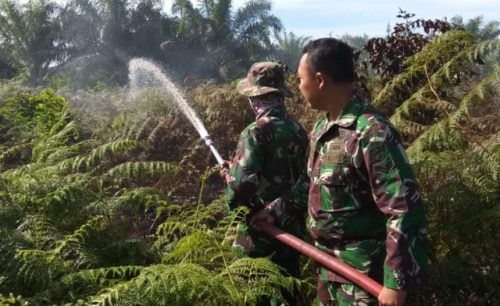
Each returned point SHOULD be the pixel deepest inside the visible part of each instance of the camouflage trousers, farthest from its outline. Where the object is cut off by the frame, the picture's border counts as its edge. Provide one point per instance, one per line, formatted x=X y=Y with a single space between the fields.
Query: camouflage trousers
x=343 y=294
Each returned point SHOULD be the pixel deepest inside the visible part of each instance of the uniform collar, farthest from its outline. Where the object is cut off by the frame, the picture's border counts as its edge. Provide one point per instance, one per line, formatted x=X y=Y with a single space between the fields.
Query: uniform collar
x=350 y=112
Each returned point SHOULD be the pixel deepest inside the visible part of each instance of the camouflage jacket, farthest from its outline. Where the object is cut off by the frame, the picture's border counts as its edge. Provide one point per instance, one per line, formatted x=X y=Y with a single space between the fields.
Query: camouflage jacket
x=363 y=201
x=269 y=159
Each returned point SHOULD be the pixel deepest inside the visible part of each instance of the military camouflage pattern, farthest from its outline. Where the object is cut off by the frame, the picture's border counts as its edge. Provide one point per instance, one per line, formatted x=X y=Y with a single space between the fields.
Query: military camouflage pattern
x=270 y=157
x=263 y=78
x=363 y=202
x=343 y=294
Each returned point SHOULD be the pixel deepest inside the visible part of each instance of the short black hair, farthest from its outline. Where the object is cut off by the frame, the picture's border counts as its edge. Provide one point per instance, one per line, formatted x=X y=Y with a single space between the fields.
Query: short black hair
x=333 y=57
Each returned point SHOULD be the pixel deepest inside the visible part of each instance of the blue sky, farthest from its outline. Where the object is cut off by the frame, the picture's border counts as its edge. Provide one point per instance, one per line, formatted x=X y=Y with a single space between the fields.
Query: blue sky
x=319 y=18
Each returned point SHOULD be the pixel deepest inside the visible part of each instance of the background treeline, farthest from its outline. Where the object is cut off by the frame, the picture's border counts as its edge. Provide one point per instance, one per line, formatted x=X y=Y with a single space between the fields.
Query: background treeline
x=108 y=197
x=88 y=43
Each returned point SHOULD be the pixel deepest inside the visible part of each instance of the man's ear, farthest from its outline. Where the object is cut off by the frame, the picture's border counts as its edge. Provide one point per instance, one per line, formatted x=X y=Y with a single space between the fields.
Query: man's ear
x=320 y=79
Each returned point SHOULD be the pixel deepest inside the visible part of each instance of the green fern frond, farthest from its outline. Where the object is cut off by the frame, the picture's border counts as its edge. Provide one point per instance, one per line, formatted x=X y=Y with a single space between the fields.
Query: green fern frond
x=140 y=201
x=476 y=96
x=62 y=125
x=166 y=208
x=442 y=47
x=10 y=242
x=449 y=72
x=478 y=169
x=445 y=135
x=438 y=137
x=40 y=231
x=123 y=126
x=228 y=227
x=191 y=220
x=439 y=50
x=46 y=146
x=67 y=152
x=212 y=213
x=13 y=151
x=456 y=66
x=5 y=195
x=183 y=284
x=491 y=160
x=96 y=156
x=82 y=257
x=39 y=269
x=80 y=236
x=170 y=231
x=137 y=171
x=200 y=247
x=13 y=300
x=257 y=277
x=405 y=126
x=420 y=103
x=72 y=192
x=407 y=79
x=483 y=172
x=20 y=171
x=112 y=149
x=103 y=276
x=425 y=101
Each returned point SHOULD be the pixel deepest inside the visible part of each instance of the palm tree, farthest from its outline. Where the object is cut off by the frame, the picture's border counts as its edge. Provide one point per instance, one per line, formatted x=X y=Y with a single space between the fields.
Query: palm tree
x=231 y=39
x=32 y=35
x=478 y=28
x=289 y=48
x=102 y=35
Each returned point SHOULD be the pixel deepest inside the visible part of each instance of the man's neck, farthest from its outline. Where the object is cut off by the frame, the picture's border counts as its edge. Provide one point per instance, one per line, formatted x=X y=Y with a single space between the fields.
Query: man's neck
x=338 y=101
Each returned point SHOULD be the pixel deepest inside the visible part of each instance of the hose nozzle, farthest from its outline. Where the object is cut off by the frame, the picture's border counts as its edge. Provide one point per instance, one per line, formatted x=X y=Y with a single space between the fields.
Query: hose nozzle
x=210 y=144
x=208 y=141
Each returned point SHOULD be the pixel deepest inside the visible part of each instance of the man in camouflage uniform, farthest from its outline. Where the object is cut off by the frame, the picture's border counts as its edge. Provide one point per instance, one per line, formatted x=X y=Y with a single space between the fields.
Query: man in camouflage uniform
x=269 y=159
x=360 y=192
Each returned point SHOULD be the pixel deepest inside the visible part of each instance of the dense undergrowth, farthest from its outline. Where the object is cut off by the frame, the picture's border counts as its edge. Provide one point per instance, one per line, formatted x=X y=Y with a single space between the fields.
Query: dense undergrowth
x=98 y=214
x=106 y=200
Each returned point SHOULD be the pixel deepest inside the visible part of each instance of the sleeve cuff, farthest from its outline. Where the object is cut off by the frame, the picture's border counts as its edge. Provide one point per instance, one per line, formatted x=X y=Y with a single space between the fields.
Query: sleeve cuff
x=400 y=281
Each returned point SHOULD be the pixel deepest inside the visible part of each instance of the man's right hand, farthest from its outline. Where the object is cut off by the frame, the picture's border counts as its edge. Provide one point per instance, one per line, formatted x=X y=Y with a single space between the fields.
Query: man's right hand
x=224 y=171
x=389 y=297
x=262 y=215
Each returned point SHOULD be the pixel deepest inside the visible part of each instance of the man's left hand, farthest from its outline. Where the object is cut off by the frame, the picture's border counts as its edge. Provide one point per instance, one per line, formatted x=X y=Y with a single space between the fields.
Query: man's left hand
x=389 y=297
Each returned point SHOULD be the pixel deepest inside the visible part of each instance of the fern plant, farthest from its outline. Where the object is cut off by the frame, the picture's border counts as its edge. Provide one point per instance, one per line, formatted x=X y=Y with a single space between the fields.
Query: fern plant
x=447 y=82
x=85 y=221
x=446 y=105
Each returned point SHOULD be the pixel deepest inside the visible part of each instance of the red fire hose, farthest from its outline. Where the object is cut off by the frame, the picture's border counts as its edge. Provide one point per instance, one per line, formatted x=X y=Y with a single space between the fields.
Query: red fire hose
x=329 y=262
x=324 y=259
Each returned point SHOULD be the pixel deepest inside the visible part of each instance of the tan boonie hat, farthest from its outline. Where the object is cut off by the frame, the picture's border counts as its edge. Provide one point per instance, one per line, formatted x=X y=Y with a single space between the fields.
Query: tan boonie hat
x=263 y=78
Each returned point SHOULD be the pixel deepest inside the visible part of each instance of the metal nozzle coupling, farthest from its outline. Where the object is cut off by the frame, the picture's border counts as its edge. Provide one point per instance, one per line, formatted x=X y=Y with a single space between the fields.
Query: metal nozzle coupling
x=216 y=154
x=208 y=141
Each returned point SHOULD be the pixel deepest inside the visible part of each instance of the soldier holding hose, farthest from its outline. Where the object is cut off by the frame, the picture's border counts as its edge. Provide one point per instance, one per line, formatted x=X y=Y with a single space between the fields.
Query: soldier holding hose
x=269 y=159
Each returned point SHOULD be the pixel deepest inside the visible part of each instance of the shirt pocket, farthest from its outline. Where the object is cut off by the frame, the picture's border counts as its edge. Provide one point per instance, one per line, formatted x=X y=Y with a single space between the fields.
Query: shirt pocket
x=334 y=187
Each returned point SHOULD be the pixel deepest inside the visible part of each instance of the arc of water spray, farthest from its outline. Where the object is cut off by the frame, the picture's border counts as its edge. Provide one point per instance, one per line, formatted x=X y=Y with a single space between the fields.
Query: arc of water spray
x=143 y=72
